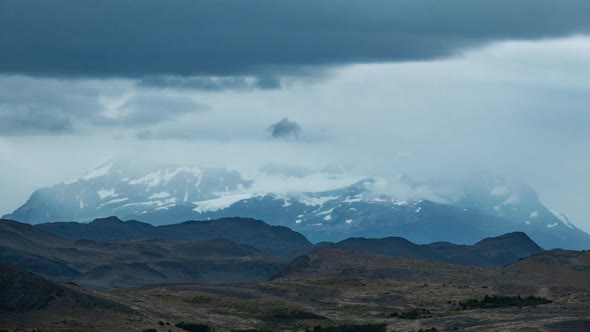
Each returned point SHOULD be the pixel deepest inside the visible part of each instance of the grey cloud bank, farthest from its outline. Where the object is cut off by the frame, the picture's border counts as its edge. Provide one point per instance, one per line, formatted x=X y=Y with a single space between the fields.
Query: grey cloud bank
x=125 y=38
x=31 y=106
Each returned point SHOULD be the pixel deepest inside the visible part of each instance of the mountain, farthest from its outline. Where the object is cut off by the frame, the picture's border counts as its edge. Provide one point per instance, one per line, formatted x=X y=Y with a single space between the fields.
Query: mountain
x=127 y=190
x=340 y=208
x=31 y=249
x=274 y=240
x=565 y=267
x=497 y=251
x=22 y=291
x=203 y=257
x=29 y=302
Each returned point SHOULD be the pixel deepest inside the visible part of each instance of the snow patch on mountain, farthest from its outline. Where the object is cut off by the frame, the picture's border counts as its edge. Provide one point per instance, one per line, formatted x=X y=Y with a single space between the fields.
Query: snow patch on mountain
x=220 y=203
x=325 y=212
x=163 y=176
x=353 y=199
x=106 y=193
x=114 y=201
x=562 y=218
x=98 y=172
x=162 y=194
x=316 y=201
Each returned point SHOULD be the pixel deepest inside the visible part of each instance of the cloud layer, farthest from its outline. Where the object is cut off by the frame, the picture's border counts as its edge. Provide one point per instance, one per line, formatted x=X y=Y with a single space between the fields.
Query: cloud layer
x=128 y=38
x=30 y=107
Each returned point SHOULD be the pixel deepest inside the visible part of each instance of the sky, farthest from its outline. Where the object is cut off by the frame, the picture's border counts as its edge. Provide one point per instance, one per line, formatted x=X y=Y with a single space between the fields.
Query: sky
x=437 y=90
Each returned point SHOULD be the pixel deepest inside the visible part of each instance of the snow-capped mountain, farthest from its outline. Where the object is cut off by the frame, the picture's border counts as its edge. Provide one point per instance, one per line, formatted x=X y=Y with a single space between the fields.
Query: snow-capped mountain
x=121 y=190
x=485 y=206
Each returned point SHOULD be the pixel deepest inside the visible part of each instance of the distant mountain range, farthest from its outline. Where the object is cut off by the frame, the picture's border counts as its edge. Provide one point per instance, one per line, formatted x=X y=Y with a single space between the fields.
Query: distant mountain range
x=110 y=253
x=188 y=253
x=272 y=240
x=496 y=251
x=485 y=206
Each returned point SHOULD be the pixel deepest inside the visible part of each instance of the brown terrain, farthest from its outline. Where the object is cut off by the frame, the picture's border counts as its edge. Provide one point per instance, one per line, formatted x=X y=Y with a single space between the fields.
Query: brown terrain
x=326 y=289
x=331 y=288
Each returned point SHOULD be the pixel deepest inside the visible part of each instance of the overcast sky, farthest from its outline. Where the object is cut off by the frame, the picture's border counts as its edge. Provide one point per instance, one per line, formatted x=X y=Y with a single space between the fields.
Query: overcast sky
x=434 y=89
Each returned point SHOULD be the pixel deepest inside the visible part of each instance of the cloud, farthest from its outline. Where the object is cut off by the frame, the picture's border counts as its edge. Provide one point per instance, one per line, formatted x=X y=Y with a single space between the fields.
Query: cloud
x=149 y=109
x=285 y=129
x=29 y=120
x=211 y=83
x=285 y=170
x=259 y=37
x=32 y=107
x=48 y=107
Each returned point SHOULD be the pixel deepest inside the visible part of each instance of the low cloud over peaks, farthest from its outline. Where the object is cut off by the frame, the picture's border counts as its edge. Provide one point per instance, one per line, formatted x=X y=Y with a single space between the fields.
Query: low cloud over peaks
x=285 y=129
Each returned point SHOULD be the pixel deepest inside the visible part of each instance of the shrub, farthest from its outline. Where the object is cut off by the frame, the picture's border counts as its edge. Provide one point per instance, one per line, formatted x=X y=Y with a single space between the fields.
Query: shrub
x=499 y=301
x=351 y=328
x=194 y=327
x=294 y=314
x=413 y=314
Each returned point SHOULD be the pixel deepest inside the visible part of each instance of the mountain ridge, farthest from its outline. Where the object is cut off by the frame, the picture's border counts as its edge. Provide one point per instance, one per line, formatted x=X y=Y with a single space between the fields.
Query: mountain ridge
x=493 y=251
x=346 y=207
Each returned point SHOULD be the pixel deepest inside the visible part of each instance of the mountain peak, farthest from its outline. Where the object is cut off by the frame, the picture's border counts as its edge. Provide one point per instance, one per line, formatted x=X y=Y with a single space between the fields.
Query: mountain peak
x=107 y=221
x=516 y=241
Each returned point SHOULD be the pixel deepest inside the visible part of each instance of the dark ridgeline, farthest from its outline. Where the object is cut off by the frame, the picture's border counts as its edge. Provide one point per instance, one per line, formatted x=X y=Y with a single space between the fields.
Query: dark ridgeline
x=111 y=253
x=494 y=251
x=273 y=240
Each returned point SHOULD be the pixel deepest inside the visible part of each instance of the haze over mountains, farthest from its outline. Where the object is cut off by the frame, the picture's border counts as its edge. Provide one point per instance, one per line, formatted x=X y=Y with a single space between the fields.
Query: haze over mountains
x=344 y=206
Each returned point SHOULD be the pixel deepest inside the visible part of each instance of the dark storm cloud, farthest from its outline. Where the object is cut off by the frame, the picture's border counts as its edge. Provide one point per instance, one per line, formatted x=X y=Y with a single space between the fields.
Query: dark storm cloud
x=130 y=38
x=211 y=83
x=285 y=129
